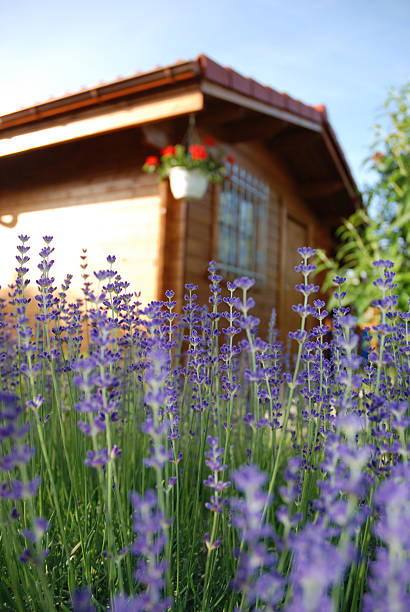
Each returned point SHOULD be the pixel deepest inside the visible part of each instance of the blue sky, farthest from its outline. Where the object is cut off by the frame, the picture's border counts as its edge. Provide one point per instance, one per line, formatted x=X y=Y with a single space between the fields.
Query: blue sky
x=343 y=53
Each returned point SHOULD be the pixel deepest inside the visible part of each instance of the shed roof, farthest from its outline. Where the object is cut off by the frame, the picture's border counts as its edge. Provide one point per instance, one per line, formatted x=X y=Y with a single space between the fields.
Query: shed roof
x=163 y=75
x=207 y=73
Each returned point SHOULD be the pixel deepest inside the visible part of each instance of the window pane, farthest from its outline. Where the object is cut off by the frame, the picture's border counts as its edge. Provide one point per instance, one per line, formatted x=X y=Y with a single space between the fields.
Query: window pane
x=246 y=221
x=227 y=208
x=227 y=243
x=245 y=252
x=224 y=206
x=243 y=223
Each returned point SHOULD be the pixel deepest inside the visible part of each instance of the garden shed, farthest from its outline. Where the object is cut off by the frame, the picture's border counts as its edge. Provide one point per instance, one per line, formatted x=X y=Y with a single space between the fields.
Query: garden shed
x=71 y=167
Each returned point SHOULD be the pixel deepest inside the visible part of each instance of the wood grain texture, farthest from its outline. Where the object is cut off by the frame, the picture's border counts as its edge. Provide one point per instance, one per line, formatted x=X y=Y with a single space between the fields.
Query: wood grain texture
x=174 y=259
x=106 y=119
x=107 y=168
x=285 y=203
x=104 y=168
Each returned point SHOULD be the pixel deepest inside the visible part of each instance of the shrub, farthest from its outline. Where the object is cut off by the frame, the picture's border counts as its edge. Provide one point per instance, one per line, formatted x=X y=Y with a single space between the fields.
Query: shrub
x=382 y=227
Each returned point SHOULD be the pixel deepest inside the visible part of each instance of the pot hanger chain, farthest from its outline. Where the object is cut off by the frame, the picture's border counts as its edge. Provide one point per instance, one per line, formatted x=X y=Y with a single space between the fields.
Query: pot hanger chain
x=191 y=135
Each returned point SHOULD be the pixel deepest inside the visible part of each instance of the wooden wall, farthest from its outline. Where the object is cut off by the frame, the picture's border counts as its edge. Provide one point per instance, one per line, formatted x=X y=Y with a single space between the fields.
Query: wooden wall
x=92 y=194
x=291 y=224
x=89 y=194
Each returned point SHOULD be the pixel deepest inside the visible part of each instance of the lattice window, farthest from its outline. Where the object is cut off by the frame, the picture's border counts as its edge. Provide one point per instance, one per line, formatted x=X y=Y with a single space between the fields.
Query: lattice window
x=243 y=221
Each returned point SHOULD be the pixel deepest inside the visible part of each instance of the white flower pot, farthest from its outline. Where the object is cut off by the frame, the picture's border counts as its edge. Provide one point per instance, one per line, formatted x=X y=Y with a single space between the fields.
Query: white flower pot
x=187 y=183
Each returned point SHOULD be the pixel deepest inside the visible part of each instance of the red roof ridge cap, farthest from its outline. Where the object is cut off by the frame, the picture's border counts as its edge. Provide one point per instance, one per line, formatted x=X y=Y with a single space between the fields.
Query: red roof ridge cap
x=321 y=108
x=224 y=75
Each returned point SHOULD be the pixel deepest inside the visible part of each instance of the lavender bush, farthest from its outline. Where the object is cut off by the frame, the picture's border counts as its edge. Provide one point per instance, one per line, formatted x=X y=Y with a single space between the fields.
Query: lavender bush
x=154 y=462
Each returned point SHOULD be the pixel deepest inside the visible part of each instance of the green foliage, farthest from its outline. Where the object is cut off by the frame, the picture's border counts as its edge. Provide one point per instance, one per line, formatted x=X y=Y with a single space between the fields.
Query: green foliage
x=196 y=156
x=381 y=230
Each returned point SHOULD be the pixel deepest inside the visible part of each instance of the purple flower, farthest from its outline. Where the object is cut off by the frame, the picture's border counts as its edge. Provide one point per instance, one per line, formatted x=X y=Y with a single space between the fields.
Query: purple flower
x=302 y=310
x=307 y=289
x=305 y=269
x=25 y=556
x=14 y=514
x=95 y=428
x=389 y=574
x=8 y=399
x=149 y=527
x=115 y=452
x=97 y=459
x=299 y=335
x=214 y=455
x=36 y=402
x=17 y=489
x=156 y=375
x=383 y=263
x=247 y=517
x=82 y=601
x=214 y=481
x=317 y=565
x=123 y=603
x=20 y=455
x=306 y=252
x=37 y=531
x=243 y=283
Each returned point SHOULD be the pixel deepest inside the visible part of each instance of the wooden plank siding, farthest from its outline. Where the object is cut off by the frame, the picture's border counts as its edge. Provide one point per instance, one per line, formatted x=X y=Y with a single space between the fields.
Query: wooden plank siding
x=102 y=168
x=285 y=205
x=88 y=194
x=97 y=185
x=201 y=222
x=174 y=245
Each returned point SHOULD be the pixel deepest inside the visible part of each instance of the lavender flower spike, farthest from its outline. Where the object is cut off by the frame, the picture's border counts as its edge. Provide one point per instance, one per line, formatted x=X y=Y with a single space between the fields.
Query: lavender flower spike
x=306 y=252
x=149 y=526
x=317 y=565
x=389 y=574
x=82 y=601
x=250 y=578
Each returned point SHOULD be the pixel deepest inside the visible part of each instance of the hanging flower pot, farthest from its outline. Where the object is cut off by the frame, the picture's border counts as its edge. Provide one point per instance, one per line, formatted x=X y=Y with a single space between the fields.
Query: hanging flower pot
x=187 y=183
x=189 y=169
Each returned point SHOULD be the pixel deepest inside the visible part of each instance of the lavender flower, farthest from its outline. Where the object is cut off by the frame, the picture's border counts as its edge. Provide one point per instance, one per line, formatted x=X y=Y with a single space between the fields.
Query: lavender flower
x=149 y=545
x=214 y=481
x=82 y=601
x=306 y=252
x=12 y=434
x=317 y=565
x=37 y=531
x=389 y=573
x=243 y=283
x=156 y=423
x=256 y=576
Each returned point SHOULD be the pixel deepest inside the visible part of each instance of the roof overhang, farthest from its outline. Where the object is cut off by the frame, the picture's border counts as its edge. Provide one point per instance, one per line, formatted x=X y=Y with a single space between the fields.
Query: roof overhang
x=223 y=93
x=283 y=123
x=101 y=120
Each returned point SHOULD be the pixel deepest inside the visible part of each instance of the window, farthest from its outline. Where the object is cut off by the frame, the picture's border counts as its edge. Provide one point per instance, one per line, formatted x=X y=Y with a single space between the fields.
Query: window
x=243 y=220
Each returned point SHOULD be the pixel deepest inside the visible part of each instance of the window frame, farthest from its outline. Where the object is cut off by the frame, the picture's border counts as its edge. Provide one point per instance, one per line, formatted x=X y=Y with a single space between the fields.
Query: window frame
x=250 y=190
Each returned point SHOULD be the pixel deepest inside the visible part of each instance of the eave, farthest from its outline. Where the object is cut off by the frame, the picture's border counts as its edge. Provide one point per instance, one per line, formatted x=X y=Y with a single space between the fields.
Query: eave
x=250 y=111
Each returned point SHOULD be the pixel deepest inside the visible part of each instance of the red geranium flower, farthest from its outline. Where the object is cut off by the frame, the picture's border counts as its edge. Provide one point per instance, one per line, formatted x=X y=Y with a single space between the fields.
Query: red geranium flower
x=378 y=156
x=198 y=151
x=168 y=151
x=230 y=159
x=209 y=141
x=151 y=160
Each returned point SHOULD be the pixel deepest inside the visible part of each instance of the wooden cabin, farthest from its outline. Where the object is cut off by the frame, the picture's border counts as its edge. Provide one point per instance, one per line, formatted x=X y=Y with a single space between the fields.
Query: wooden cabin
x=71 y=168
